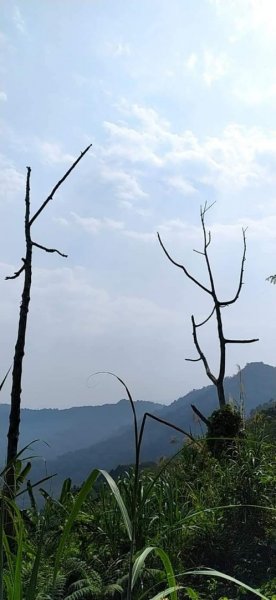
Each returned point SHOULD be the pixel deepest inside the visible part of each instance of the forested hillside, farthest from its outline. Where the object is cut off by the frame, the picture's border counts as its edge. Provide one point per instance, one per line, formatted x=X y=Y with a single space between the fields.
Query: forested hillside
x=117 y=448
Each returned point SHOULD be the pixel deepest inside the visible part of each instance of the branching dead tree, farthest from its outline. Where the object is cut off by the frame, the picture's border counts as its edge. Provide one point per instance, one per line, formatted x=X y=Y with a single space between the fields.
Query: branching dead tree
x=26 y=268
x=218 y=305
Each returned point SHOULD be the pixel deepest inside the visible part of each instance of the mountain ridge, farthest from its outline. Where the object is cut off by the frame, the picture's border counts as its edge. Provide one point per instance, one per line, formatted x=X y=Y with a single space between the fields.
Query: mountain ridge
x=259 y=386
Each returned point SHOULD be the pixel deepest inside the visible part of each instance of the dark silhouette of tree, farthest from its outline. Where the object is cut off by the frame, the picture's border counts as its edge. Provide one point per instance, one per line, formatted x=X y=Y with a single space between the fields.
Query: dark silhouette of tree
x=26 y=268
x=218 y=305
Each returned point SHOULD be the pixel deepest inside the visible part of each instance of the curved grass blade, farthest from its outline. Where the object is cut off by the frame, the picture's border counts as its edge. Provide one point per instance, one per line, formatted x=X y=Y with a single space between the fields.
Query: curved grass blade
x=202 y=511
x=214 y=573
x=31 y=594
x=33 y=485
x=17 y=590
x=81 y=497
x=116 y=493
x=1 y=547
x=3 y=472
x=129 y=397
x=140 y=562
x=168 y=592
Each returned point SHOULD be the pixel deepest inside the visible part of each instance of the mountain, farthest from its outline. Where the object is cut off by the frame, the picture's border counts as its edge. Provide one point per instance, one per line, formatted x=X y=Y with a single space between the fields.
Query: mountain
x=258 y=387
x=61 y=431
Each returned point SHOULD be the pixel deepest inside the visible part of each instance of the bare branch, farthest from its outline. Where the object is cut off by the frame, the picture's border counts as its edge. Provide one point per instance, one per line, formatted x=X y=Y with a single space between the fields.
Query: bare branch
x=206 y=244
x=205 y=209
x=60 y=182
x=49 y=249
x=182 y=267
x=193 y=359
x=206 y=320
x=199 y=414
x=199 y=252
x=202 y=355
x=159 y=420
x=209 y=239
x=17 y=273
x=241 y=341
x=226 y=303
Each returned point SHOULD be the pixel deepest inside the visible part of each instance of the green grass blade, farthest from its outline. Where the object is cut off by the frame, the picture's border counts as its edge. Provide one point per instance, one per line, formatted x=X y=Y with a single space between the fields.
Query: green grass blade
x=214 y=573
x=169 y=570
x=82 y=495
x=116 y=493
x=167 y=592
x=31 y=594
x=17 y=591
x=139 y=565
x=1 y=548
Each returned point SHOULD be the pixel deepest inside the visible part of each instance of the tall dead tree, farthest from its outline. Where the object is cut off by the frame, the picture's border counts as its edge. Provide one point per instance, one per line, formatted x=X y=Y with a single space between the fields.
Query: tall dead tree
x=26 y=268
x=218 y=305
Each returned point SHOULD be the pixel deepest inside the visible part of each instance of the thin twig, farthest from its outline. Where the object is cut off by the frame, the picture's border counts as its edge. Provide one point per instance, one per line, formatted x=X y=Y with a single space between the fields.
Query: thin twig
x=60 y=182
x=164 y=422
x=193 y=359
x=206 y=320
x=182 y=267
x=17 y=273
x=202 y=355
x=50 y=249
x=226 y=303
x=241 y=341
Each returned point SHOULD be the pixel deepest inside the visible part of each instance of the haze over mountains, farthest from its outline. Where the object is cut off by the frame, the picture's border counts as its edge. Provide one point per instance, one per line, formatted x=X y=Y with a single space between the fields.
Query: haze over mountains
x=82 y=438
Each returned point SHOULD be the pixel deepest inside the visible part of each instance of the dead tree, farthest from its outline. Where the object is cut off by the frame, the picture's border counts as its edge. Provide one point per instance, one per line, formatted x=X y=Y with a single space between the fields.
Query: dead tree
x=218 y=305
x=26 y=268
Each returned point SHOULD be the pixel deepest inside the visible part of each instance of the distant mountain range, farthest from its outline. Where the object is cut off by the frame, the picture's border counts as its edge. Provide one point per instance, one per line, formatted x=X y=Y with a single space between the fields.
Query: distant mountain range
x=83 y=438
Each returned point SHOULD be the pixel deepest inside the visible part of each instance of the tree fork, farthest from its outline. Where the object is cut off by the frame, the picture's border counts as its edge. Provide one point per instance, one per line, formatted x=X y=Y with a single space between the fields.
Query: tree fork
x=217 y=306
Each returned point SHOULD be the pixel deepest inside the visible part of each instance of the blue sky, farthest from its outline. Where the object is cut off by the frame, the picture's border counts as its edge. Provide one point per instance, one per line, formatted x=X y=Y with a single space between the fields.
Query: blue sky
x=178 y=99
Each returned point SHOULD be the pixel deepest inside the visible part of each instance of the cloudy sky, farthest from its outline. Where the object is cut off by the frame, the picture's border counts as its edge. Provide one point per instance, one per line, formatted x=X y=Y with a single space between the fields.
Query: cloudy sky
x=178 y=99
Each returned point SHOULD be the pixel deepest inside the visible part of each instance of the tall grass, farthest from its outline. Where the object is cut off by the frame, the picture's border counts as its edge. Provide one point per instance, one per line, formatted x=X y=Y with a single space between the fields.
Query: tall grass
x=151 y=520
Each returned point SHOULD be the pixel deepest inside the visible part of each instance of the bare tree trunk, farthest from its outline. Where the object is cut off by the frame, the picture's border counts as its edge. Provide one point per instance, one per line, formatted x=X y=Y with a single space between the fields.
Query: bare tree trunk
x=14 y=421
x=13 y=432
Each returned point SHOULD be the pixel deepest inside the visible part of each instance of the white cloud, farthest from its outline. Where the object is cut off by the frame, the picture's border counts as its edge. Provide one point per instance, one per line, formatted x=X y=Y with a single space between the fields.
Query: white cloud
x=191 y=61
x=255 y=95
x=140 y=236
x=257 y=229
x=61 y=221
x=118 y=49
x=18 y=20
x=67 y=291
x=122 y=49
x=52 y=153
x=131 y=144
x=182 y=185
x=11 y=180
x=240 y=156
x=94 y=226
x=215 y=67
x=3 y=97
x=248 y=15
x=127 y=186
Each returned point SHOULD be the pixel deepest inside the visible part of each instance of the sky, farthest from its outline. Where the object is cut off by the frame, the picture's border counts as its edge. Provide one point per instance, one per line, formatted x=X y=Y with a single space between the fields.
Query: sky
x=178 y=100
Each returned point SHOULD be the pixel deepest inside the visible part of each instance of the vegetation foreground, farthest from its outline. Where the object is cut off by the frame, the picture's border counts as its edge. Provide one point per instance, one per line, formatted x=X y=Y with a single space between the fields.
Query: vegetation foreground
x=186 y=528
